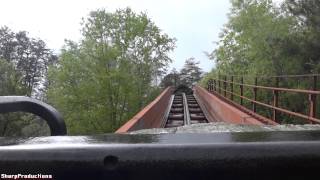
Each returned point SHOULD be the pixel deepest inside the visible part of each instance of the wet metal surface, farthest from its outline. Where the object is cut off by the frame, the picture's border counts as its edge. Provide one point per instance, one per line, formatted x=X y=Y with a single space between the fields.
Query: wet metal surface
x=227 y=127
x=182 y=138
x=228 y=155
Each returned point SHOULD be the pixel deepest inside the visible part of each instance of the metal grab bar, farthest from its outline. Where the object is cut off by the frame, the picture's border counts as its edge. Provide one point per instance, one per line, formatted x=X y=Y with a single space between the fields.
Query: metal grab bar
x=26 y=104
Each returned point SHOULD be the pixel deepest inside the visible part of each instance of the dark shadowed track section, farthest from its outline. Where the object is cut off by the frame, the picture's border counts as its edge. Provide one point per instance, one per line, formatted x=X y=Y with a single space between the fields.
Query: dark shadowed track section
x=185 y=109
x=195 y=112
x=176 y=115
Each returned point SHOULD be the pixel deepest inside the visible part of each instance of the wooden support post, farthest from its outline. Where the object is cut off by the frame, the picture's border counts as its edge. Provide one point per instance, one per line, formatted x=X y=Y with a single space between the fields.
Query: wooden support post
x=254 y=105
x=275 y=101
x=231 y=87
x=241 y=91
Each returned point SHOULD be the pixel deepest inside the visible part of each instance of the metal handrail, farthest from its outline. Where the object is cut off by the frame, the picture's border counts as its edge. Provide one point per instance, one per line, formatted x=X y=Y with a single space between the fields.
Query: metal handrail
x=272 y=88
x=279 y=76
x=220 y=87
x=276 y=108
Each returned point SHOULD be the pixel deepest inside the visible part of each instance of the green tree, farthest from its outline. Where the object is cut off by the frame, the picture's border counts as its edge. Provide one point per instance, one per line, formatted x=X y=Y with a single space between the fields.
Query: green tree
x=254 y=39
x=308 y=15
x=23 y=71
x=105 y=79
x=171 y=79
x=30 y=58
x=262 y=39
x=191 y=72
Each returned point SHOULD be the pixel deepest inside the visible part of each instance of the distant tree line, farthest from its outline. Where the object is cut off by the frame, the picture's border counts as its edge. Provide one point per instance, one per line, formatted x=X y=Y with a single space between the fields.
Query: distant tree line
x=24 y=65
x=263 y=39
x=189 y=75
x=97 y=83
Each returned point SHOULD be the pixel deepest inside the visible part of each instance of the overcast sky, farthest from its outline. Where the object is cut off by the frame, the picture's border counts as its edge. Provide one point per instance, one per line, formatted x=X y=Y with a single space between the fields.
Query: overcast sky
x=195 y=23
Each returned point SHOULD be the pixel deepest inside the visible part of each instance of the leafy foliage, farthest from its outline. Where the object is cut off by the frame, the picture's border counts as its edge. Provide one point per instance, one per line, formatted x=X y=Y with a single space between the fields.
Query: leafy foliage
x=190 y=74
x=171 y=79
x=107 y=77
x=262 y=39
x=30 y=58
x=23 y=71
x=308 y=15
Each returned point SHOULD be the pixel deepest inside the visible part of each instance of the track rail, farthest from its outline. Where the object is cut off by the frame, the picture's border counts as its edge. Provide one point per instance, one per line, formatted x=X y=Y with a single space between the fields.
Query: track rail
x=176 y=115
x=181 y=106
x=184 y=110
x=195 y=111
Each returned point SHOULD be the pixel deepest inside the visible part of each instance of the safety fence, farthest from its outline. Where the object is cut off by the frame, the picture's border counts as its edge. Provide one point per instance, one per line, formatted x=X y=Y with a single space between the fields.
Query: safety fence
x=231 y=87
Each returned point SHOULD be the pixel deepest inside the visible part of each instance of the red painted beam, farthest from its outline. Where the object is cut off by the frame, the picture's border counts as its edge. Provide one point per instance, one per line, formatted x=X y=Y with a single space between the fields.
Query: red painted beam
x=220 y=110
x=151 y=116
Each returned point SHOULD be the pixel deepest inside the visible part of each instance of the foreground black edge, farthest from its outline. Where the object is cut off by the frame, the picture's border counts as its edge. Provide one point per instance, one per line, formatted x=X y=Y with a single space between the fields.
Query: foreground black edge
x=258 y=155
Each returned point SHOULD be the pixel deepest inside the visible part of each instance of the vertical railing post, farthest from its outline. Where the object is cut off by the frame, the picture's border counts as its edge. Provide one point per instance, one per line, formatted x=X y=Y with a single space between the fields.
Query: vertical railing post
x=225 y=86
x=214 y=85
x=313 y=99
x=315 y=88
x=231 y=88
x=211 y=85
x=275 y=101
x=254 y=105
x=241 y=91
x=219 y=84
